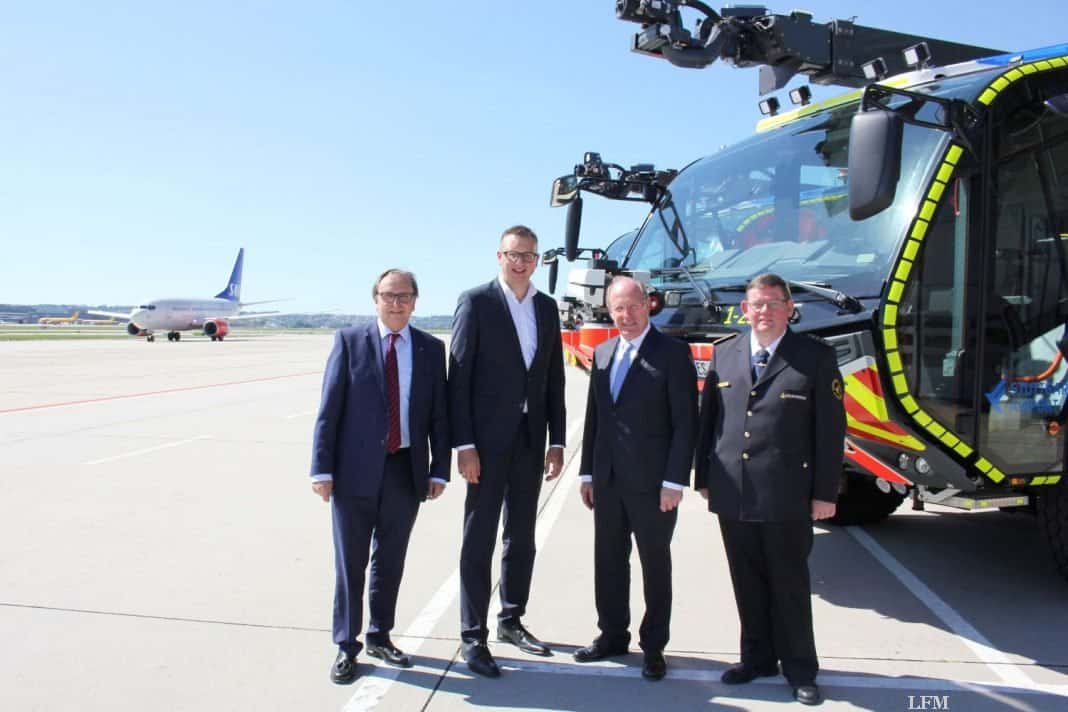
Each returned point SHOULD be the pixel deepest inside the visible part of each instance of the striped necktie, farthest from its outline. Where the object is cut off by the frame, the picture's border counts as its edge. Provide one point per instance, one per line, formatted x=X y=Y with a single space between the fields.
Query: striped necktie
x=393 y=442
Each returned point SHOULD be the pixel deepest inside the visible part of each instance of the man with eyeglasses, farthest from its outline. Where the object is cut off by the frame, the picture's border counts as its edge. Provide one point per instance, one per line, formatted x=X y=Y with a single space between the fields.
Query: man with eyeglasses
x=768 y=460
x=506 y=389
x=380 y=447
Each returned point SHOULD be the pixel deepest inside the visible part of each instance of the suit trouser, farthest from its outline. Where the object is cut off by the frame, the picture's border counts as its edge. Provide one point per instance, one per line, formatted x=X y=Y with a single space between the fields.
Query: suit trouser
x=616 y=515
x=511 y=478
x=376 y=529
x=769 y=569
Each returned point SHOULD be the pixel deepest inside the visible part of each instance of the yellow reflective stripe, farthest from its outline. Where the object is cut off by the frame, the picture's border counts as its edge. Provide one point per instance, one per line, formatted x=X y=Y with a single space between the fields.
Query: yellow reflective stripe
x=936 y=429
x=903 y=270
x=922 y=418
x=935 y=193
x=1059 y=62
x=945 y=172
x=953 y=154
x=900 y=384
x=896 y=290
x=987 y=96
x=1013 y=74
x=902 y=440
x=1053 y=479
x=870 y=402
x=949 y=439
x=890 y=336
x=1039 y=481
x=983 y=464
x=893 y=359
x=919 y=229
x=963 y=450
x=1042 y=65
x=890 y=315
x=999 y=84
x=1028 y=69
x=996 y=474
x=909 y=404
x=928 y=210
x=912 y=248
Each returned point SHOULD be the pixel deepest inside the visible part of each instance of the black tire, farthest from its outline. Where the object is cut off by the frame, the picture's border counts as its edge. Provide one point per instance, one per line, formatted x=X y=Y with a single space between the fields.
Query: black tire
x=863 y=502
x=1052 y=510
x=177 y=336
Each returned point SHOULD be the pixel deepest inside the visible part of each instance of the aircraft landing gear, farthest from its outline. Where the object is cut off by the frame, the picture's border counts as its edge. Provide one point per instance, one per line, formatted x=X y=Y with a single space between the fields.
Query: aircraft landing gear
x=150 y=337
x=174 y=336
x=216 y=338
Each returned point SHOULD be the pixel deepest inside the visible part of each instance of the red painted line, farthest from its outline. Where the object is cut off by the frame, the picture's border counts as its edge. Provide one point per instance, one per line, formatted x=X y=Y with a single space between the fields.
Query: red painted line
x=154 y=393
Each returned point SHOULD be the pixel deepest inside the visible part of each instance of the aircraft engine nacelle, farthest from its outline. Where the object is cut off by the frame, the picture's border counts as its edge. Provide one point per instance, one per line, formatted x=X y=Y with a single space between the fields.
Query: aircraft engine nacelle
x=216 y=328
x=133 y=330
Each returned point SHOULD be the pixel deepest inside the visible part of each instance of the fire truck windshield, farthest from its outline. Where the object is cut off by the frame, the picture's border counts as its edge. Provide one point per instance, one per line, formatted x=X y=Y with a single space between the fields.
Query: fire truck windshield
x=779 y=202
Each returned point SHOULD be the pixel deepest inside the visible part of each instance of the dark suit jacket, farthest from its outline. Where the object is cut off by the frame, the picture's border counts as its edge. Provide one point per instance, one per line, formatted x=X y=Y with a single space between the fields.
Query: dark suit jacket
x=488 y=379
x=766 y=450
x=350 y=432
x=647 y=435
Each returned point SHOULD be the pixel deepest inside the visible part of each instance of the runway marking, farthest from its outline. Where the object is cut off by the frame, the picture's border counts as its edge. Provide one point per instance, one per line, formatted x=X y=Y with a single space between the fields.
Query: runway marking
x=374 y=687
x=165 y=391
x=995 y=659
x=145 y=451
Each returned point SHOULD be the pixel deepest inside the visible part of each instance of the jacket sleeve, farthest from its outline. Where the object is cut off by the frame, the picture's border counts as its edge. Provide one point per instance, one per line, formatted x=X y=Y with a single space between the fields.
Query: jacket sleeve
x=589 y=430
x=331 y=405
x=440 y=445
x=462 y=352
x=682 y=396
x=557 y=413
x=828 y=429
x=706 y=428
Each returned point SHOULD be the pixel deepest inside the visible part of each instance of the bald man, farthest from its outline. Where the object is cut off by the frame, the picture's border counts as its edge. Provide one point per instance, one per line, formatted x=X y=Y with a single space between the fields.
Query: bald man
x=641 y=421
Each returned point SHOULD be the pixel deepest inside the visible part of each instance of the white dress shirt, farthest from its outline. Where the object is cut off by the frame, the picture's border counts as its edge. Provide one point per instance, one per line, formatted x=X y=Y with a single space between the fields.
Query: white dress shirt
x=755 y=346
x=617 y=359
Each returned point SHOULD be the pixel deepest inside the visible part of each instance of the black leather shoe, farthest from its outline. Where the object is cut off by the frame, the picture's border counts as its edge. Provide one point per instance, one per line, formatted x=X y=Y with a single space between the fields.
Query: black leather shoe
x=480 y=661
x=343 y=671
x=598 y=650
x=741 y=673
x=513 y=632
x=808 y=694
x=390 y=653
x=654 y=667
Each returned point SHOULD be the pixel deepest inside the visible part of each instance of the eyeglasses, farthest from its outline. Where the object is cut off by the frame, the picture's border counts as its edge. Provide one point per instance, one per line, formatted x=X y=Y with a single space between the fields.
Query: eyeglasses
x=517 y=257
x=772 y=304
x=396 y=297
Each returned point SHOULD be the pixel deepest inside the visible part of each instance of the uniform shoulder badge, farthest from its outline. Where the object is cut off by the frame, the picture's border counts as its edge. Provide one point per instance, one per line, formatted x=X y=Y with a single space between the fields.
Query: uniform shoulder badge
x=836 y=388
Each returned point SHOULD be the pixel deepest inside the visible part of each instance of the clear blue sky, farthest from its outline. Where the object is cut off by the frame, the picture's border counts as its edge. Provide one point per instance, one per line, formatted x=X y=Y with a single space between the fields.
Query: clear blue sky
x=142 y=143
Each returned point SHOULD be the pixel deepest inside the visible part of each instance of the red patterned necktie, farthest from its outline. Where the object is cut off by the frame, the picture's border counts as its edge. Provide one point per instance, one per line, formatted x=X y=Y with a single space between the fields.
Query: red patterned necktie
x=393 y=443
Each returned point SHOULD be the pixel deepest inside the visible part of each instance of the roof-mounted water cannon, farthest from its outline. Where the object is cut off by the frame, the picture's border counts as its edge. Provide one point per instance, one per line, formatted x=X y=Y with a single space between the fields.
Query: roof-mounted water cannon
x=783 y=46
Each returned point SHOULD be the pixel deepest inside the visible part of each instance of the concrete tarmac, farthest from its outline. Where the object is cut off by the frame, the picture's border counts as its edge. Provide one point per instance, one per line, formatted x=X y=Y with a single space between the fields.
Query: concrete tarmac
x=160 y=548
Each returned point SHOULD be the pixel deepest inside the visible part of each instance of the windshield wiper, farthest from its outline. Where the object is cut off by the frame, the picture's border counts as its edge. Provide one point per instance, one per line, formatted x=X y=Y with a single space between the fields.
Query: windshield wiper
x=841 y=300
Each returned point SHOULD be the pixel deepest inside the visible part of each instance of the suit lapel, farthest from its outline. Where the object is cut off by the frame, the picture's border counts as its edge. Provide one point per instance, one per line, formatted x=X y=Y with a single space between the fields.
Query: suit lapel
x=502 y=300
x=603 y=357
x=648 y=348
x=374 y=350
x=743 y=358
x=415 y=389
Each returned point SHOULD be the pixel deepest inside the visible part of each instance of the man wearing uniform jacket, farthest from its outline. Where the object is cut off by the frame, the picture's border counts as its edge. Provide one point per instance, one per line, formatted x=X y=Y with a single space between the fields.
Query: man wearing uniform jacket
x=768 y=460
x=641 y=419
x=506 y=387
x=381 y=446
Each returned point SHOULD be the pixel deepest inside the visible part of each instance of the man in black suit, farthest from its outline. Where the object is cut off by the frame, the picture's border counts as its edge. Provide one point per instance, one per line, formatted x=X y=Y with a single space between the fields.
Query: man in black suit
x=381 y=446
x=768 y=460
x=506 y=386
x=641 y=419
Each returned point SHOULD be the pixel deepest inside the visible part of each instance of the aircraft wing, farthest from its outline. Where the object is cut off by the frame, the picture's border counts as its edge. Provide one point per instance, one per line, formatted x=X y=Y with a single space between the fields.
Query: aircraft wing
x=113 y=315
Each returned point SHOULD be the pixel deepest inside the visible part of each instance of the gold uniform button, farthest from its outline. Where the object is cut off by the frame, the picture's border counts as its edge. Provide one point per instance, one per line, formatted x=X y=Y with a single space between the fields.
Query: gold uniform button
x=749 y=413
x=804 y=465
x=746 y=433
x=752 y=393
x=745 y=456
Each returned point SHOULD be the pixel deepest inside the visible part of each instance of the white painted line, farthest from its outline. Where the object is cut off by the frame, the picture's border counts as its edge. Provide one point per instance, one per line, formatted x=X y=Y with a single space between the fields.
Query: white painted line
x=995 y=659
x=375 y=686
x=147 y=450
x=301 y=414
x=854 y=680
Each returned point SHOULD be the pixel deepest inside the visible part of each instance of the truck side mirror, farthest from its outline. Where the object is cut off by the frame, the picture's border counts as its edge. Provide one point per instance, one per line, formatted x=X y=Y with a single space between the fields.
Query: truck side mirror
x=571 y=233
x=554 y=271
x=565 y=189
x=874 y=162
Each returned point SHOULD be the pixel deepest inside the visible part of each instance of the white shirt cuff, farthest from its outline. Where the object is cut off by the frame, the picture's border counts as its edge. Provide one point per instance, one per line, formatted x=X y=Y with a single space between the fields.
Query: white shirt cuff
x=438 y=480
x=469 y=446
x=322 y=478
x=555 y=445
x=585 y=478
x=673 y=485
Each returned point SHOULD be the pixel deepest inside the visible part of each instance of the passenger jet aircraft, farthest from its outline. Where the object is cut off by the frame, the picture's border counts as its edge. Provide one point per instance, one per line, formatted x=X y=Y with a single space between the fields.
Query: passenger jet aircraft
x=212 y=316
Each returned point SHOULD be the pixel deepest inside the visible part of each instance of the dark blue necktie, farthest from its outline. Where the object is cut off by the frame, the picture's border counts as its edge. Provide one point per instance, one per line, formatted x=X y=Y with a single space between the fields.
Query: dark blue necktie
x=760 y=362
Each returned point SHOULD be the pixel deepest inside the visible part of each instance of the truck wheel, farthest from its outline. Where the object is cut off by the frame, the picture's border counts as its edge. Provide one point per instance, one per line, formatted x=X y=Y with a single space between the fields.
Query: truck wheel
x=863 y=502
x=1052 y=509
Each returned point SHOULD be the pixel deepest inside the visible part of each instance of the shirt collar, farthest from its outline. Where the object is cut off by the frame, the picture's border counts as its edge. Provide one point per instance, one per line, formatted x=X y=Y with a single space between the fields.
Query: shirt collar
x=510 y=295
x=755 y=346
x=384 y=331
x=637 y=342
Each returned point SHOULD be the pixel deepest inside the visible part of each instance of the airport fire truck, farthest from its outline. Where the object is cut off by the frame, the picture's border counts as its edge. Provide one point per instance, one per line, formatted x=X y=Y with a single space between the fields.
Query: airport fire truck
x=922 y=222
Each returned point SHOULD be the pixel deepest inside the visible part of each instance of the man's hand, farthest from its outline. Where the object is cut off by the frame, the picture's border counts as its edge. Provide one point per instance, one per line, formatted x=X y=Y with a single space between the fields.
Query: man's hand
x=822 y=510
x=554 y=463
x=586 y=492
x=704 y=493
x=434 y=489
x=323 y=489
x=468 y=462
x=669 y=498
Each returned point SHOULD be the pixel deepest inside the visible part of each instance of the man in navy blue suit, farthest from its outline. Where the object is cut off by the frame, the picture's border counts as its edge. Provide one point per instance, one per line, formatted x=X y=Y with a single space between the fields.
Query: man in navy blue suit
x=506 y=388
x=381 y=446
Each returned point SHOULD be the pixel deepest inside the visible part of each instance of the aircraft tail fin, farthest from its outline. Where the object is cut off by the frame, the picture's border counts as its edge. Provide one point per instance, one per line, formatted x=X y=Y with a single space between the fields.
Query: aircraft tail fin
x=233 y=287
